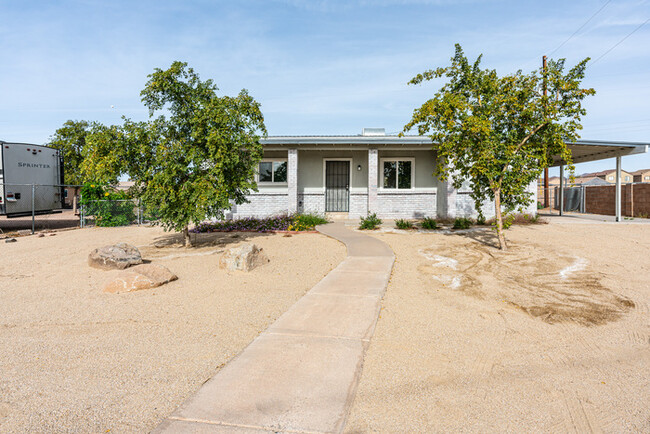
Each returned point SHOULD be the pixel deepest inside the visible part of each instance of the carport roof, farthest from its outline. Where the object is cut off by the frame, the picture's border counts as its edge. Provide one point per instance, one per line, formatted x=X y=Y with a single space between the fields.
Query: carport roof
x=583 y=151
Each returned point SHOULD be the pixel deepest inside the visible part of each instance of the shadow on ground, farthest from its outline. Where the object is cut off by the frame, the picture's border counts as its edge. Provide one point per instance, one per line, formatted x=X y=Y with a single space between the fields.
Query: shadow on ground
x=209 y=239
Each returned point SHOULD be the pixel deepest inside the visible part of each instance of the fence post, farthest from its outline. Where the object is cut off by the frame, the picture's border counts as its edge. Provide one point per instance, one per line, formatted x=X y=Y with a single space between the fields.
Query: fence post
x=33 y=209
x=81 y=209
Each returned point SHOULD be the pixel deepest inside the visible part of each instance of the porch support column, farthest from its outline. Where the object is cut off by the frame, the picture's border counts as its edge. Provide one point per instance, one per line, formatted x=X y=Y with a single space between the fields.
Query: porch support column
x=373 y=167
x=618 y=189
x=292 y=180
x=561 y=189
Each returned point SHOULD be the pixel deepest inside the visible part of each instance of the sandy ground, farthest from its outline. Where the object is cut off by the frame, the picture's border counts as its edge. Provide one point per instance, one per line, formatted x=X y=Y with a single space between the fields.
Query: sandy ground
x=74 y=359
x=552 y=336
x=64 y=219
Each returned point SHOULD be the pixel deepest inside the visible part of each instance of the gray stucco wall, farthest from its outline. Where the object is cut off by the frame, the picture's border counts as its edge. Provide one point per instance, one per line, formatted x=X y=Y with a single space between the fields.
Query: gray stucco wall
x=310 y=168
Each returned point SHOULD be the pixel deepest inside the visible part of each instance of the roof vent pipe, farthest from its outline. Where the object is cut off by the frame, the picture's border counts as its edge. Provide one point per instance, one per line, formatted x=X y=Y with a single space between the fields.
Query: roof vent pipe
x=373 y=132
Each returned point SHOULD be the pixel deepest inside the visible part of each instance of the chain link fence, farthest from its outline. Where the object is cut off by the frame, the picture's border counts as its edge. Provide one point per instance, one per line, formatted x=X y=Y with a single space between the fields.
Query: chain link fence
x=38 y=206
x=111 y=213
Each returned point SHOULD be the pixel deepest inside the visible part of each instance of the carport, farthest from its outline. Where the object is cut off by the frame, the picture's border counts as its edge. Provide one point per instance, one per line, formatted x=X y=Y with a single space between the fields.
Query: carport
x=584 y=151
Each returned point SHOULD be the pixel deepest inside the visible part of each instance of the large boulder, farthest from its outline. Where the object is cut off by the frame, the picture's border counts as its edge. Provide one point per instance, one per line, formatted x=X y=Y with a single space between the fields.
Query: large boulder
x=244 y=257
x=139 y=277
x=116 y=257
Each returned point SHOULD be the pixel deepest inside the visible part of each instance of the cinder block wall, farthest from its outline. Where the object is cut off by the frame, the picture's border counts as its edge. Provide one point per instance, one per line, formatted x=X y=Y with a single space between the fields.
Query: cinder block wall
x=635 y=199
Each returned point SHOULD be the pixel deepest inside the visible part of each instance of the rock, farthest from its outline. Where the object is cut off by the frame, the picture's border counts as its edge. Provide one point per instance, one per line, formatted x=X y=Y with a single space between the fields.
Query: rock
x=119 y=256
x=24 y=232
x=139 y=277
x=245 y=257
x=41 y=235
x=10 y=240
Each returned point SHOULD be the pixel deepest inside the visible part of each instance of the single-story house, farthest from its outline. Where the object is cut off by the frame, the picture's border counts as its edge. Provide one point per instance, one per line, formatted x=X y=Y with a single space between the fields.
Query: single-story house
x=351 y=176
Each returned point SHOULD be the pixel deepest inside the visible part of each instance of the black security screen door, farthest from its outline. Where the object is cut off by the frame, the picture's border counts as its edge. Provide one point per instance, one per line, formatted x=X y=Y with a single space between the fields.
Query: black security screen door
x=337 y=186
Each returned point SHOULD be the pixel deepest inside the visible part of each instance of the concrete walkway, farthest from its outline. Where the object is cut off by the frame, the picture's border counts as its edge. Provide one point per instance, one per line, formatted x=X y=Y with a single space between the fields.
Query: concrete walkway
x=301 y=374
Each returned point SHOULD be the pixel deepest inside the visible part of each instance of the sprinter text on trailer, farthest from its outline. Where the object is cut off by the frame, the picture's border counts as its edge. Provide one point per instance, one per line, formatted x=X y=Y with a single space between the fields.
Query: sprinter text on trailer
x=22 y=165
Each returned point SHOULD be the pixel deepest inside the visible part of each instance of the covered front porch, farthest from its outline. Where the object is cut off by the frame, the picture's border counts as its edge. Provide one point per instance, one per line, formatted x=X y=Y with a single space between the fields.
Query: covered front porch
x=350 y=176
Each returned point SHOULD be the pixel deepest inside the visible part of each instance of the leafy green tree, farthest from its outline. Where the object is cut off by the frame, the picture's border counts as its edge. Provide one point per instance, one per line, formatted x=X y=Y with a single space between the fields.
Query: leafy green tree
x=103 y=155
x=499 y=133
x=70 y=140
x=197 y=161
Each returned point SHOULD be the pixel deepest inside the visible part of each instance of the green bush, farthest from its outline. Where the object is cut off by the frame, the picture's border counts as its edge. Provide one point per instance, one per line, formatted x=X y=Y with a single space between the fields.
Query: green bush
x=480 y=220
x=429 y=223
x=371 y=221
x=306 y=222
x=540 y=205
x=110 y=208
x=403 y=224
x=462 y=223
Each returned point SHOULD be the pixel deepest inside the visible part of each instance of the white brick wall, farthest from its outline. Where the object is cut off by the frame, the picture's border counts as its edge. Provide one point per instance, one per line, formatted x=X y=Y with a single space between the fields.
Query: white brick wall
x=406 y=205
x=311 y=203
x=465 y=204
x=262 y=205
x=358 y=205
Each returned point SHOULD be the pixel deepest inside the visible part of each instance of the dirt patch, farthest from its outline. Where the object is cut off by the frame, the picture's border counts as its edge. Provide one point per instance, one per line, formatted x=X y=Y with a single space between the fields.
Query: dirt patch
x=548 y=285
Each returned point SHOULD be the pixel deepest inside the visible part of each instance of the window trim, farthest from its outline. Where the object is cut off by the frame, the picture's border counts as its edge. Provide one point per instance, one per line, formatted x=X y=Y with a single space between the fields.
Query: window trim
x=271 y=160
x=381 y=173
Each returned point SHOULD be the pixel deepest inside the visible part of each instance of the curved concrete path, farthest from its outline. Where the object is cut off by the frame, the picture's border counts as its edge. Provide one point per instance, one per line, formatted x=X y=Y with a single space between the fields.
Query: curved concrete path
x=301 y=374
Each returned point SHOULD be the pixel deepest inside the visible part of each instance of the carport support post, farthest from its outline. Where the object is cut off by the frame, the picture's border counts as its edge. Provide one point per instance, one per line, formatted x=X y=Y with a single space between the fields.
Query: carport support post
x=618 y=188
x=33 y=212
x=561 y=189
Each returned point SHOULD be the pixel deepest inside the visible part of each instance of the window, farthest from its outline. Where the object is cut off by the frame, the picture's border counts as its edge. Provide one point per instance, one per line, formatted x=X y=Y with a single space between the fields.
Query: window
x=611 y=178
x=398 y=174
x=647 y=178
x=627 y=178
x=272 y=171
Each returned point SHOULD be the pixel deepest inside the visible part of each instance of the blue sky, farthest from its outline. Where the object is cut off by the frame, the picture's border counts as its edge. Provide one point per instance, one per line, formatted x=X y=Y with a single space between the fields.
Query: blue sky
x=317 y=67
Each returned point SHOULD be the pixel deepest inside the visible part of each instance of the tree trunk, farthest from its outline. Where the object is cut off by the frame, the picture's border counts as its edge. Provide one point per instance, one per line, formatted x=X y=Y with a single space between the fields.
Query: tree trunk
x=497 y=213
x=186 y=236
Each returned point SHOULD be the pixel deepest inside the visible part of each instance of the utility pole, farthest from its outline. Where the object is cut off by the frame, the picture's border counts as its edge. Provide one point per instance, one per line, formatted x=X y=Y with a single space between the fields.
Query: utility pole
x=547 y=193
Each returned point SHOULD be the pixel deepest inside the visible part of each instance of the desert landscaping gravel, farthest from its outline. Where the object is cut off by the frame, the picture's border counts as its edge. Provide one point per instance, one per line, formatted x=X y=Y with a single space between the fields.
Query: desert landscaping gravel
x=76 y=359
x=552 y=336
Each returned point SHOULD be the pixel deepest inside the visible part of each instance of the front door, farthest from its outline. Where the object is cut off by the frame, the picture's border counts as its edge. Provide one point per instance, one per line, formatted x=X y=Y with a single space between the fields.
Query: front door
x=337 y=186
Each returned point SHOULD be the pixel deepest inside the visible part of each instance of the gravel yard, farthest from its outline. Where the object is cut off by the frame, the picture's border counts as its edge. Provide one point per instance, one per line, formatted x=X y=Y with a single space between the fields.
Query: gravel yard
x=75 y=359
x=552 y=336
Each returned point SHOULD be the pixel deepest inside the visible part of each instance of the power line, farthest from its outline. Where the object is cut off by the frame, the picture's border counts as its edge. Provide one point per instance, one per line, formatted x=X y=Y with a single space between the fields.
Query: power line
x=581 y=27
x=621 y=41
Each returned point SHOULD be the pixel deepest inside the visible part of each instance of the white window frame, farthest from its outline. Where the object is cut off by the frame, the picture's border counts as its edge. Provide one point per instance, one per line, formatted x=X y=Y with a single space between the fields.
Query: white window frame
x=397 y=159
x=271 y=160
x=611 y=178
x=646 y=178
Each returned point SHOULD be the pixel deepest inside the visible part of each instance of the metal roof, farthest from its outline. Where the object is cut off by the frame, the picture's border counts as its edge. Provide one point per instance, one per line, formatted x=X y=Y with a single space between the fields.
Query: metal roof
x=581 y=150
x=346 y=140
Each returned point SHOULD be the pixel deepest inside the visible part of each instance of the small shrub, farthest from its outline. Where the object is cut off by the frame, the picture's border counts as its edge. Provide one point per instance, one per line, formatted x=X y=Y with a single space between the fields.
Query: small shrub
x=480 y=220
x=429 y=223
x=540 y=205
x=306 y=222
x=403 y=224
x=371 y=221
x=462 y=223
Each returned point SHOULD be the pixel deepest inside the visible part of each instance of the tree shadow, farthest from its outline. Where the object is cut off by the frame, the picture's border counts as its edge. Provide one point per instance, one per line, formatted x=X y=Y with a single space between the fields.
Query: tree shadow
x=485 y=236
x=207 y=239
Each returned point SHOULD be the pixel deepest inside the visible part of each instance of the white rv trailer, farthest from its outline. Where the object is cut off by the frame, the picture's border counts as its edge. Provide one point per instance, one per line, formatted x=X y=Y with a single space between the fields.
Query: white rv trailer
x=22 y=166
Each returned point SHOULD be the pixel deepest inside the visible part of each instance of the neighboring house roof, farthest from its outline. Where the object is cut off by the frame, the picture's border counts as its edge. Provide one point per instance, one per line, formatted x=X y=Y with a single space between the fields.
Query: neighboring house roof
x=590 y=181
x=640 y=172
